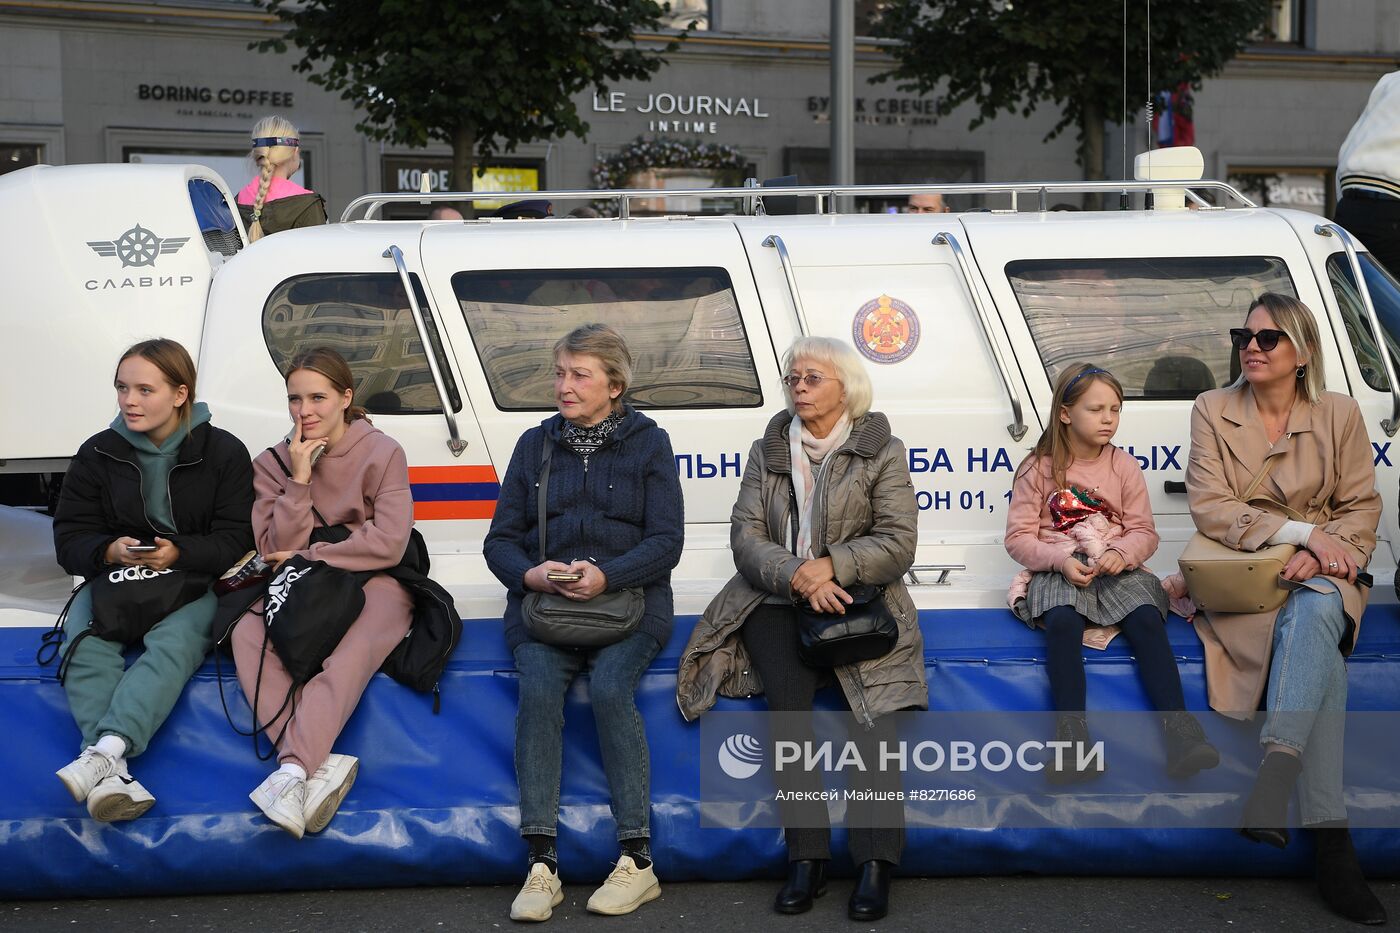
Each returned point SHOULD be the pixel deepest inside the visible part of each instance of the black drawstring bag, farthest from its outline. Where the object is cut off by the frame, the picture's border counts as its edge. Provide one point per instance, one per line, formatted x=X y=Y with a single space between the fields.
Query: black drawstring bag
x=127 y=602
x=310 y=606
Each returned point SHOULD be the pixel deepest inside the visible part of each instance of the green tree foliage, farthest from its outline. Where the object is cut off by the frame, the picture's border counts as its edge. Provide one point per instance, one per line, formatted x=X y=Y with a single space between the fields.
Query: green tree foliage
x=480 y=75
x=1013 y=55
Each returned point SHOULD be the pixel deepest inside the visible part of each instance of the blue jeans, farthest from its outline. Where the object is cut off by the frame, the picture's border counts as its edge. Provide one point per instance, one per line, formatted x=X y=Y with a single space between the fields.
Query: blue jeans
x=1307 y=698
x=545 y=675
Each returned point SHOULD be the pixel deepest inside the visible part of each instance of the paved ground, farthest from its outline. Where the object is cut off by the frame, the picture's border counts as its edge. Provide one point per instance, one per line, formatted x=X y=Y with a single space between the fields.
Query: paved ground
x=945 y=905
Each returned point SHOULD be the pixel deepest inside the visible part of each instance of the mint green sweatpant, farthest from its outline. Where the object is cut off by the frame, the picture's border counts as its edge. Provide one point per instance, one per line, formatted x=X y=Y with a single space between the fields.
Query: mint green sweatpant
x=108 y=698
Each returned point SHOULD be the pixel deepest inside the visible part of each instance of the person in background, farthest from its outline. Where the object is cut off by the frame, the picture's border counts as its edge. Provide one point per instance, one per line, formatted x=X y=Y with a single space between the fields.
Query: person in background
x=928 y=203
x=534 y=209
x=272 y=202
x=445 y=212
x=1368 y=172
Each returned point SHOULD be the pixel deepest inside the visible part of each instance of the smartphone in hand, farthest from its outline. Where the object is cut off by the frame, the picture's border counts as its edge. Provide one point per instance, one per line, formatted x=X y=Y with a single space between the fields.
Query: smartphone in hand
x=563 y=576
x=143 y=546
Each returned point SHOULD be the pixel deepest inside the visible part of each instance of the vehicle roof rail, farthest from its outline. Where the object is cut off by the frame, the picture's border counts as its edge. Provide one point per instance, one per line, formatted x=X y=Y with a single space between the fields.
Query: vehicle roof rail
x=368 y=206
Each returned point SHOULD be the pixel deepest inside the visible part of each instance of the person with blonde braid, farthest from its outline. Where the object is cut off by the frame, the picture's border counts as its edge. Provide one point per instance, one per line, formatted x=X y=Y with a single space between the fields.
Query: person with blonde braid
x=272 y=202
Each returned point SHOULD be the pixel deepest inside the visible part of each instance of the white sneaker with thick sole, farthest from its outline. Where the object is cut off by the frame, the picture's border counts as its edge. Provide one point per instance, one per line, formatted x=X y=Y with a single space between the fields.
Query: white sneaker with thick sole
x=118 y=797
x=282 y=797
x=327 y=788
x=541 y=893
x=85 y=772
x=626 y=889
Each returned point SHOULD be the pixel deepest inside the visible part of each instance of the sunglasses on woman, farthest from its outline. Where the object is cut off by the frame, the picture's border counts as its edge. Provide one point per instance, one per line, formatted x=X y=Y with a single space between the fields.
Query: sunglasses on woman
x=1267 y=338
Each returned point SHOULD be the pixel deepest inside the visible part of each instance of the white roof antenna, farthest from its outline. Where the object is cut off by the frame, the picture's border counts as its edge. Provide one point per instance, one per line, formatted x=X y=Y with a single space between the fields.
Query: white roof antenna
x=1178 y=163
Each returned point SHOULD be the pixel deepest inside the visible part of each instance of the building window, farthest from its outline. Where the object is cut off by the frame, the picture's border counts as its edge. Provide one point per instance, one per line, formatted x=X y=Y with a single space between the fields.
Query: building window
x=514 y=178
x=891 y=166
x=687 y=14
x=689 y=349
x=1164 y=323
x=1302 y=188
x=366 y=318
x=15 y=156
x=1284 y=24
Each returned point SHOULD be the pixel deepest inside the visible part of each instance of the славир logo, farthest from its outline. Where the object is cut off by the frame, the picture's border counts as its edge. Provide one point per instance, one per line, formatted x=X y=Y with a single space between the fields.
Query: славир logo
x=740 y=756
x=138 y=246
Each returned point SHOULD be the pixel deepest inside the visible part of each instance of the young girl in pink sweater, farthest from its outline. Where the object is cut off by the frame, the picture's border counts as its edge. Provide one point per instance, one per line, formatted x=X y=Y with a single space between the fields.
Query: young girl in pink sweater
x=1075 y=476
x=359 y=479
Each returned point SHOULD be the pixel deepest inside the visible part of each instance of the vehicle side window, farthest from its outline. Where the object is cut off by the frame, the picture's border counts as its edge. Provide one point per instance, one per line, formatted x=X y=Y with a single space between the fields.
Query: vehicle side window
x=1160 y=324
x=366 y=318
x=1385 y=295
x=215 y=217
x=689 y=349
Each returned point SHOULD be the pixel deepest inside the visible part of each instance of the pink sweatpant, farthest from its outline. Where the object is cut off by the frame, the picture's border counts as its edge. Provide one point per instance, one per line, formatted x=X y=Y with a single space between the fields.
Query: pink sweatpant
x=325 y=702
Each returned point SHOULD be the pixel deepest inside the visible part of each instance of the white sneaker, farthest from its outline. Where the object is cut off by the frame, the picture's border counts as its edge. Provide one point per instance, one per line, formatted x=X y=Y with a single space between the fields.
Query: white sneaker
x=283 y=798
x=327 y=788
x=119 y=796
x=85 y=772
x=626 y=889
x=541 y=893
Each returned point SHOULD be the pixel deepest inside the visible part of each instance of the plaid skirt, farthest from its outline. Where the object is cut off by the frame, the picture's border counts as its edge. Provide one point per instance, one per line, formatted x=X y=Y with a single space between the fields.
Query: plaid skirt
x=1105 y=601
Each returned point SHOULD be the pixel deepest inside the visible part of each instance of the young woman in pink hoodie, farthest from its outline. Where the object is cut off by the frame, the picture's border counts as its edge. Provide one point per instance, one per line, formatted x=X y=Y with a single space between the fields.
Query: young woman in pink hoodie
x=359 y=479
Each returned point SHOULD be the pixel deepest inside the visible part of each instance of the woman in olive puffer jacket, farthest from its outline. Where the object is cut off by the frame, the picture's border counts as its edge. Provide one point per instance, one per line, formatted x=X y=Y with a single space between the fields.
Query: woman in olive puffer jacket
x=856 y=524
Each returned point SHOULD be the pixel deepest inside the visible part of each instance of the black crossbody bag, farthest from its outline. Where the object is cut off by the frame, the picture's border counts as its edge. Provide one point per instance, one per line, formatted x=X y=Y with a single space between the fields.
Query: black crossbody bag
x=570 y=623
x=865 y=631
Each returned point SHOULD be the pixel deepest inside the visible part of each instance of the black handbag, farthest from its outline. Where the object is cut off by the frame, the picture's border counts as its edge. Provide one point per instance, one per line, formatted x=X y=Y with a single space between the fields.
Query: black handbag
x=865 y=631
x=568 y=623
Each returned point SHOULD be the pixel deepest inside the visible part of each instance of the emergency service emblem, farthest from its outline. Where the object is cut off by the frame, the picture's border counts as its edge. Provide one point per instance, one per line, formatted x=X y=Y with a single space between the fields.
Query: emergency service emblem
x=885 y=330
x=138 y=246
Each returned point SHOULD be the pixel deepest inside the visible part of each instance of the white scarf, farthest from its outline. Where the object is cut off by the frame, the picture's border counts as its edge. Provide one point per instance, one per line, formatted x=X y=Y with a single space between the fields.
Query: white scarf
x=806 y=450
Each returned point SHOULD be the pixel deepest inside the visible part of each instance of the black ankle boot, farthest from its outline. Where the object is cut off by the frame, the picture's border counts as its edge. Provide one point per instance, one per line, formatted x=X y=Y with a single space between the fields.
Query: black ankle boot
x=806 y=881
x=1187 y=748
x=871 y=898
x=1073 y=728
x=1265 y=815
x=1339 y=877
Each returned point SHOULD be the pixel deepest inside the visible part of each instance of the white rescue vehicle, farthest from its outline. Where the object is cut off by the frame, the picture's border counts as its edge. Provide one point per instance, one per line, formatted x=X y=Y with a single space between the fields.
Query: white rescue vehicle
x=965 y=319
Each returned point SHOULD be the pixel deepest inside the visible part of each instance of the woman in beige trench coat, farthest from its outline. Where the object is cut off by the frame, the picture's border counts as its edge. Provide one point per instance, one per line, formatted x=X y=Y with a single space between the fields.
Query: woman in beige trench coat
x=1318 y=456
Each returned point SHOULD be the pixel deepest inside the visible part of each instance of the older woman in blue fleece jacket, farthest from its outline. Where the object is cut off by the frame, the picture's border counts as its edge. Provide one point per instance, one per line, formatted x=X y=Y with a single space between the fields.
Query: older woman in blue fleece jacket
x=615 y=519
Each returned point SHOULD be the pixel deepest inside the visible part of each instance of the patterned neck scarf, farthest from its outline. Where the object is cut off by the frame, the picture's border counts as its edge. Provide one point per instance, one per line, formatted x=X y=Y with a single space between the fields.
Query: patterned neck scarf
x=806 y=450
x=585 y=441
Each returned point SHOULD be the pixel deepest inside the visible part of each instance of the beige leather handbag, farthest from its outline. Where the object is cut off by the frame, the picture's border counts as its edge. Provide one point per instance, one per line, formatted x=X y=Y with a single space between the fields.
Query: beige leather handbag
x=1222 y=579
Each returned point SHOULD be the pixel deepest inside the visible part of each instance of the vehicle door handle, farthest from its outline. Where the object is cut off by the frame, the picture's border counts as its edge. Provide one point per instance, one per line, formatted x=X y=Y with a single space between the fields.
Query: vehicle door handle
x=1174 y=487
x=912 y=574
